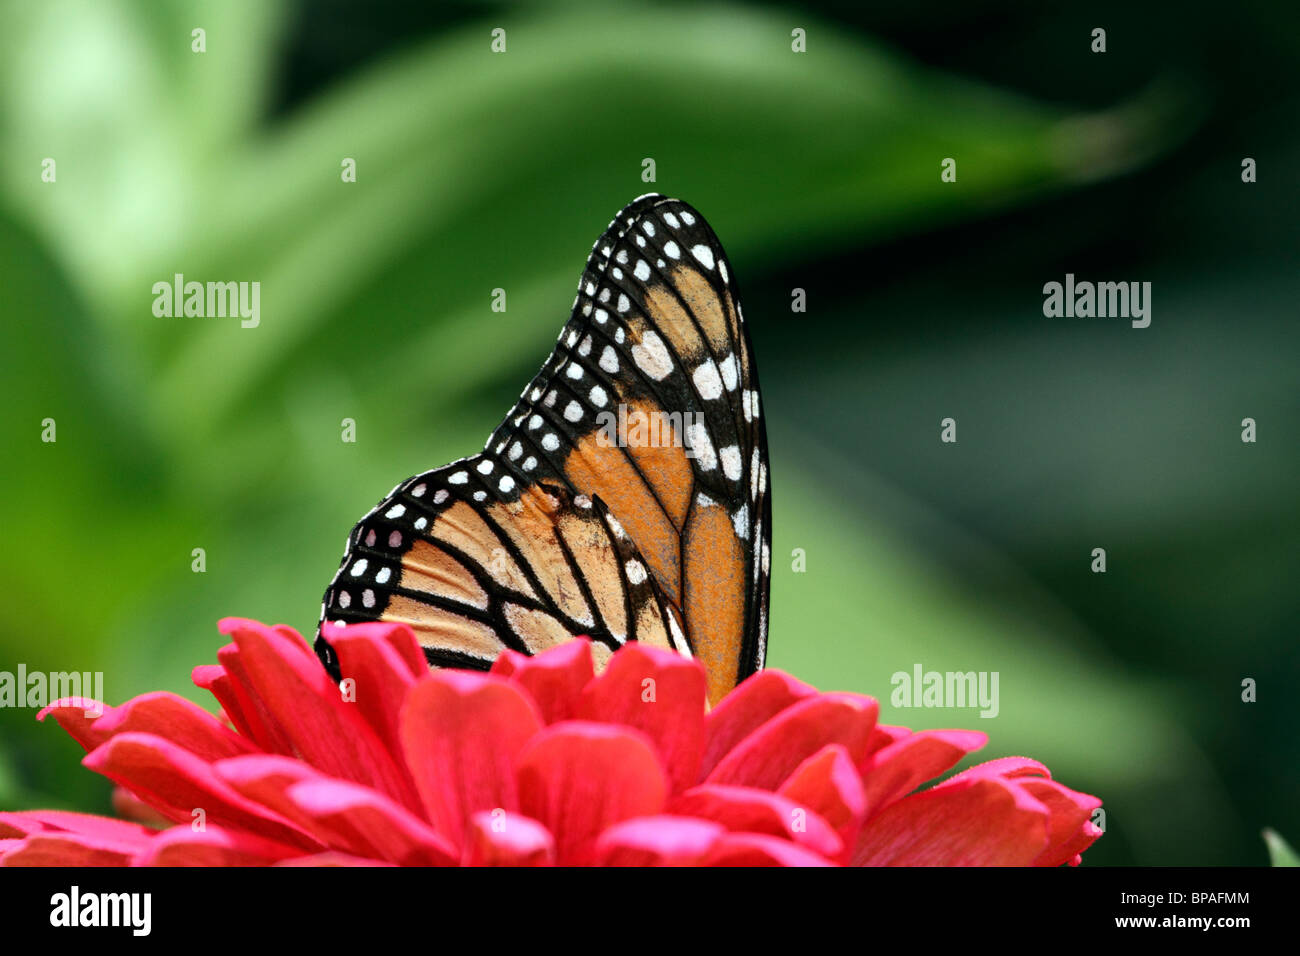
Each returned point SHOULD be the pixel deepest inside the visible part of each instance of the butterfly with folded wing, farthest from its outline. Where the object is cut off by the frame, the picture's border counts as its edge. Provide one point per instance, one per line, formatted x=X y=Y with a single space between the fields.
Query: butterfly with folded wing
x=553 y=531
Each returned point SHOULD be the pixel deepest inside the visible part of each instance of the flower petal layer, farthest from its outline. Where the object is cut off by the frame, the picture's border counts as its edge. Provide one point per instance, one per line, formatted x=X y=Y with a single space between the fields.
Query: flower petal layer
x=983 y=821
x=178 y=783
x=501 y=838
x=829 y=784
x=182 y=722
x=294 y=690
x=756 y=701
x=746 y=810
x=662 y=694
x=445 y=722
x=660 y=840
x=768 y=755
x=213 y=846
x=554 y=678
x=377 y=659
x=899 y=768
x=578 y=778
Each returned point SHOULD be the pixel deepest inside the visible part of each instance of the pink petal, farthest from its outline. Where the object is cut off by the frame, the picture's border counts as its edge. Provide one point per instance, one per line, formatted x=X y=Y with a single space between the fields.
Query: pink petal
x=332 y=859
x=578 y=778
x=84 y=824
x=236 y=705
x=399 y=639
x=303 y=702
x=370 y=825
x=1085 y=838
x=896 y=770
x=183 y=723
x=661 y=840
x=1069 y=829
x=266 y=779
x=501 y=838
x=753 y=703
x=986 y=821
x=251 y=715
x=176 y=782
x=213 y=846
x=336 y=813
x=828 y=783
x=884 y=735
x=461 y=733
x=741 y=809
x=555 y=678
x=64 y=849
x=768 y=755
x=759 y=849
x=130 y=807
x=1002 y=767
x=669 y=709
x=371 y=656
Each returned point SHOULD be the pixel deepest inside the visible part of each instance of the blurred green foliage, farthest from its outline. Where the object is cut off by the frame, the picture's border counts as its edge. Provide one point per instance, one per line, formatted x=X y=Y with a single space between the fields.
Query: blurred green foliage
x=1279 y=850
x=819 y=170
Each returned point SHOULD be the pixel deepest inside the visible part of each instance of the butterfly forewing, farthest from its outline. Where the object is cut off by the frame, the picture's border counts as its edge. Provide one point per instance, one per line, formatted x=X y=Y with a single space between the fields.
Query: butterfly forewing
x=625 y=496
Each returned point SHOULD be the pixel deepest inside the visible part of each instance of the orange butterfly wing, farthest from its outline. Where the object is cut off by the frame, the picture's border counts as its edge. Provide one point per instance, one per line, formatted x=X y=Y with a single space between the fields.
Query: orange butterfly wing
x=624 y=497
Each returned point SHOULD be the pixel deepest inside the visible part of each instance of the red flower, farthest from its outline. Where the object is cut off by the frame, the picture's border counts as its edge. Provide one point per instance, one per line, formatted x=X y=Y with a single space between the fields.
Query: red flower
x=541 y=761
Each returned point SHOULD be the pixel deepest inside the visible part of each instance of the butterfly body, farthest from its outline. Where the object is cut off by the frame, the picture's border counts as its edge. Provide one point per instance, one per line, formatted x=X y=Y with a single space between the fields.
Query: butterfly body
x=624 y=497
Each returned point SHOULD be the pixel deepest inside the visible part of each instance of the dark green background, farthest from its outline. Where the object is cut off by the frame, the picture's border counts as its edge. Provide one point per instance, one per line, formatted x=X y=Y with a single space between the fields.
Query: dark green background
x=819 y=171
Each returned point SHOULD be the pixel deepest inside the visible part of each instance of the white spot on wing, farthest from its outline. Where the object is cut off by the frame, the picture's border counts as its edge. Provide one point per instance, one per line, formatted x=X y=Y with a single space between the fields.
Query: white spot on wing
x=729 y=376
x=679 y=639
x=731 y=462
x=651 y=356
x=707 y=381
x=698 y=439
x=740 y=521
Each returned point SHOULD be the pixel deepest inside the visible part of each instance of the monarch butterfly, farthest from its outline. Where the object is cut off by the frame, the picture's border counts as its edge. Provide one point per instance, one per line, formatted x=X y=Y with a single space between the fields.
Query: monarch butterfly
x=579 y=516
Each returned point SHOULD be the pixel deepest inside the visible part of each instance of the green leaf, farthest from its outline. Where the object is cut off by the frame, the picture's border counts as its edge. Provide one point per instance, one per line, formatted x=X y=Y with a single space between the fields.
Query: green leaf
x=1279 y=851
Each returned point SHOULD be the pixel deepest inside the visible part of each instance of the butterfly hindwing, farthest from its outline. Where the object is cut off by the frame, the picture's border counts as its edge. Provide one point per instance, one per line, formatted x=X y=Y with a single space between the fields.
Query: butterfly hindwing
x=631 y=474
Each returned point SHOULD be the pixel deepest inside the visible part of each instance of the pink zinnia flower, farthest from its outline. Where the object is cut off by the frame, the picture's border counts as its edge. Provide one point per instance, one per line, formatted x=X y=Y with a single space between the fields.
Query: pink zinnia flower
x=539 y=762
